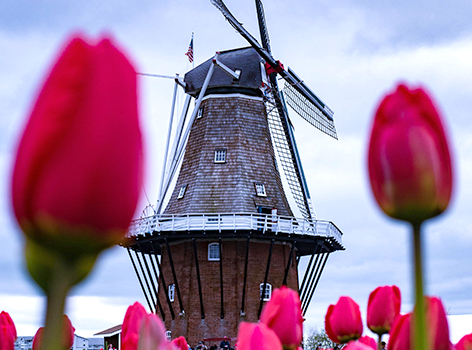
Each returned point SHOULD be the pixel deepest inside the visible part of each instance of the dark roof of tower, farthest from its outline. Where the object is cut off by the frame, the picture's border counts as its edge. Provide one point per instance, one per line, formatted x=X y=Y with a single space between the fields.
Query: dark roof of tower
x=246 y=59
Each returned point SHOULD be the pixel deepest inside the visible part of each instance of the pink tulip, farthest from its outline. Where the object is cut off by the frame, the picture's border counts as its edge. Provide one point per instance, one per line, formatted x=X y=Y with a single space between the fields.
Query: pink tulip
x=152 y=335
x=368 y=341
x=436 y=326
x=131 y=326
x=7 y=332
x=283 y=315
x=343 y=321
x=78 y=170
x=180 y=343
x=409 y=161
x=360 y=345
x=382 y=309
x=257 y=336
x=465 y=343
x=67 y=336
x=400 y=333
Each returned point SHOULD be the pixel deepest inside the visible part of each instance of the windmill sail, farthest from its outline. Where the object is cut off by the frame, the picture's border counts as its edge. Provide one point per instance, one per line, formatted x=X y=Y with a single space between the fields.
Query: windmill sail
x=319 y=115
x=262 y=26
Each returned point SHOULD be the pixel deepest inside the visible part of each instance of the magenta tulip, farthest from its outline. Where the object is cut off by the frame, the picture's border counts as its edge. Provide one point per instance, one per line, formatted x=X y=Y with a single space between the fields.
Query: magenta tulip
x=409 y=161
x=368 y=341
x=152 y=335
x=180 y=343
x=436 y=325
x=382 y=309
x=361 y=344
x=343 y=321
x=257 y=336
x=67 y=335
x=131 y=326
x=465 y=343
x=78 y=170
x=283 y=315
x=400 y=333
x=7 y=332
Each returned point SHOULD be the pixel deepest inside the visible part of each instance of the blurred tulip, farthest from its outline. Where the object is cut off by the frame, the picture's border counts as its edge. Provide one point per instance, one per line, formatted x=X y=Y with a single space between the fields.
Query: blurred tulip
x=135 y=314
x=283 y=314
x=152 y=335
x=67 y=335
x=409 y=161
x=400 y=333
x=257 y=336
x=368 y=341
x=361 y=345
x=78 y=170
x=7 y=332
x=436 y=326
x=343 y=321
x=180 y=343
x=465 y=343
x=382 y=309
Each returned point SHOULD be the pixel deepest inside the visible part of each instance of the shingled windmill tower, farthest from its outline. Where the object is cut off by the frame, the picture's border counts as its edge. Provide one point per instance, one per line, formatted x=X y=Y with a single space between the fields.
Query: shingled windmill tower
x=209 y=256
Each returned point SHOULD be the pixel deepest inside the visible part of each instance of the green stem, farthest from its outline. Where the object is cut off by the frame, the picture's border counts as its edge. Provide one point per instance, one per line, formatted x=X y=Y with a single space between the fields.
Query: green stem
x=56 y=298
x=420 y=340
x=379 y=342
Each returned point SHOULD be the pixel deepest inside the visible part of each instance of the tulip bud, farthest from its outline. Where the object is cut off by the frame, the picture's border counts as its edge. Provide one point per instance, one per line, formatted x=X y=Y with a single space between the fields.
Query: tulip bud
x=180 y=343
x=368 y=341
x=436 y=325
x=257 y=336
x=282 y=313
x=465 y=343
x=343 y=321
x=78 y=170
x=67 y=335
x=382 y=309
x=409 y=161
x=361 y=344
x=7 y=332
x=131 y=326
x=152 y=335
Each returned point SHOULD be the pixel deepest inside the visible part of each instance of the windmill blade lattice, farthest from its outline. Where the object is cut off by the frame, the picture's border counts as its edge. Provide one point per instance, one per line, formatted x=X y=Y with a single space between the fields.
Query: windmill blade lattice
x=282 y=146
x=308 y=110
x=263 y=26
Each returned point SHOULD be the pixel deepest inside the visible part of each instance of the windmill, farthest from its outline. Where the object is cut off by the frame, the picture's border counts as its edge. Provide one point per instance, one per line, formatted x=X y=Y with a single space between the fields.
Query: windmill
x=226 y=237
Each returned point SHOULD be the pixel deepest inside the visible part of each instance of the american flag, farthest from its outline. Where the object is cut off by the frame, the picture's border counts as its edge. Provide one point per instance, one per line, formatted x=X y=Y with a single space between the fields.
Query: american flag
x=189 y=53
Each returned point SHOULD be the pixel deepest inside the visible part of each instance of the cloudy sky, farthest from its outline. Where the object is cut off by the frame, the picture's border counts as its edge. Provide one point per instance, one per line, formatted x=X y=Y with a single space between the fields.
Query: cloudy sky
x=350 y=52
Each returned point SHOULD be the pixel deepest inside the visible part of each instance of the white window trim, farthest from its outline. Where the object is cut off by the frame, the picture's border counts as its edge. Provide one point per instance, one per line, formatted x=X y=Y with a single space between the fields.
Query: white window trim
x=200 y=112
x=260 y=189
x=220 y=153
x=213 y=258
x=169 y=335
x=171 y=292
x=182 y=191
x=268 y=291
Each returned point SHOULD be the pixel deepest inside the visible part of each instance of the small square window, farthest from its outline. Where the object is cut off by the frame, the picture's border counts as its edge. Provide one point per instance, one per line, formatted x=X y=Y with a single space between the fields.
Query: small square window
x=182 y=192
x=200 y=112
x=171 y=292
x=260 y=189
x=214 y=252
x=169 y=335
x=267 y=294
x=220 y=156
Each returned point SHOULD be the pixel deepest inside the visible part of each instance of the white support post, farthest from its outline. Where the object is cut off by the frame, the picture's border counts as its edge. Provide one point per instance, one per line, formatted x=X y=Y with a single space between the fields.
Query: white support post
x=180 y=150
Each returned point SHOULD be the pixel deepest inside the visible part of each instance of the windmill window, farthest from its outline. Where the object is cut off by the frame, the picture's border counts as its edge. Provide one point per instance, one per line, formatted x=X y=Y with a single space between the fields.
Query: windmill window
x=171 y=292
x=169 y=335
x=182 y=192
x=214 y=252
x=200 y=112
x=267 y=294
x=260 y=189
x=220 y=156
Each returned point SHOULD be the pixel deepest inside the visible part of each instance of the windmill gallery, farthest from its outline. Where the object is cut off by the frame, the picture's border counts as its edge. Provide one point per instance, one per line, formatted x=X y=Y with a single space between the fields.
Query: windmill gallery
x=227 y=236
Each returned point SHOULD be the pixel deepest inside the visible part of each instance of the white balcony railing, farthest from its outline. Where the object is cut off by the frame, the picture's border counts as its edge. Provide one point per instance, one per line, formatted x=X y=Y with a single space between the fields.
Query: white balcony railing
x=234 y=221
